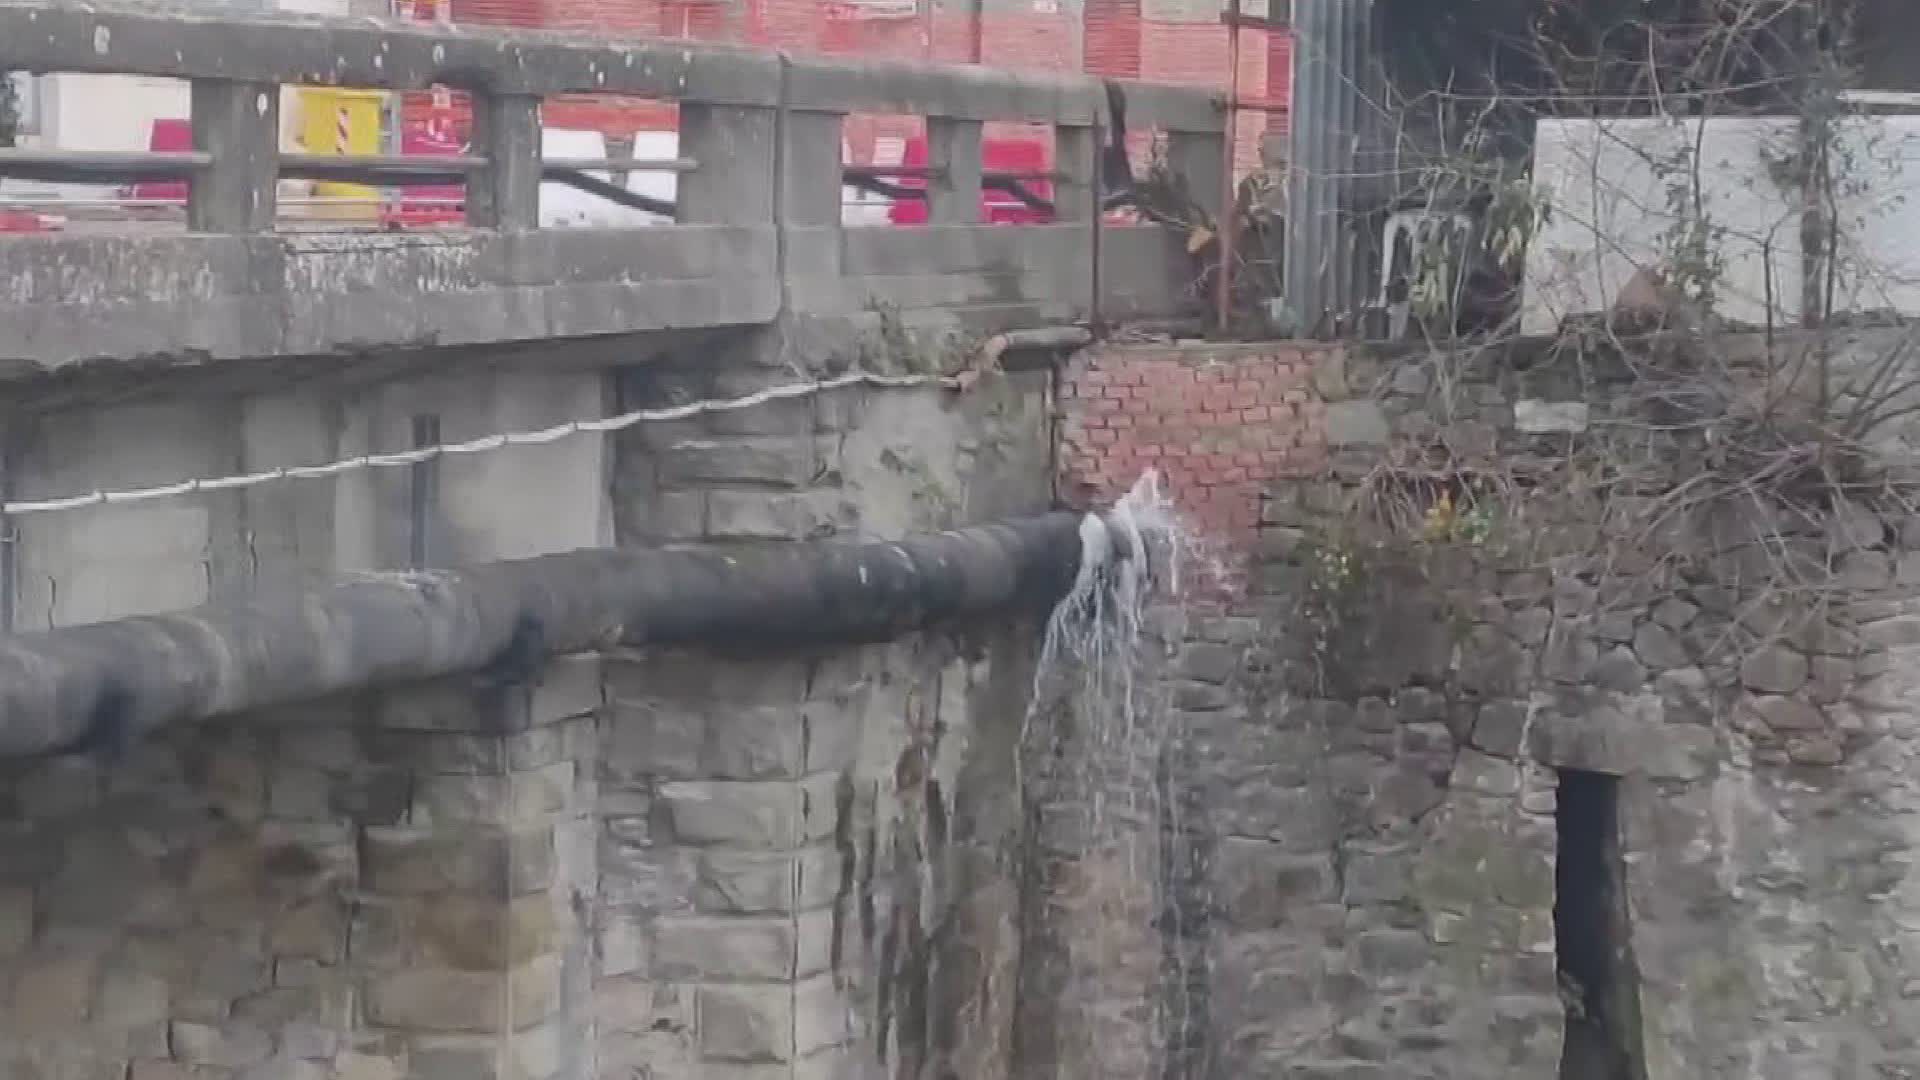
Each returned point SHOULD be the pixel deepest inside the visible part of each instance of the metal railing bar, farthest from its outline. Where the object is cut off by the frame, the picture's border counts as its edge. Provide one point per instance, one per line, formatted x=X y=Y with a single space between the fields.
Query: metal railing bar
x=80 y=166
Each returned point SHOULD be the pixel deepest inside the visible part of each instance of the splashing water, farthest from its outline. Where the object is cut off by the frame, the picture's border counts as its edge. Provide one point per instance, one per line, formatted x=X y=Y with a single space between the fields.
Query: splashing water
x=1108 y=728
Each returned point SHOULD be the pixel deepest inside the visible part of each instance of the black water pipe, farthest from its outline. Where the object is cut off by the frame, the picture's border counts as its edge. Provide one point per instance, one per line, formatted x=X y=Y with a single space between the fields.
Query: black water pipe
x=77 y=686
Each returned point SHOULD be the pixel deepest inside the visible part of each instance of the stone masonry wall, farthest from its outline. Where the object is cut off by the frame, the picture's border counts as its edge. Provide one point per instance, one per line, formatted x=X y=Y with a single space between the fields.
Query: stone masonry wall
x=809 y=863
x=1368 y=781
x=369 y=888
x=643 y=865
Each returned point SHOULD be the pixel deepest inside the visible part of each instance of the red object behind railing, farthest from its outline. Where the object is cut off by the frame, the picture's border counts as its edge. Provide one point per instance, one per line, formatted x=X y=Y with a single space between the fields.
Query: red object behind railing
x=427 y=204
x=167 y=135
x=996 y=207
x=23 y=221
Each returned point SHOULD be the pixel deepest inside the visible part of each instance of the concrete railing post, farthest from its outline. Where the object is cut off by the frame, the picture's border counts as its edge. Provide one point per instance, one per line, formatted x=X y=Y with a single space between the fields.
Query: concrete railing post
x=1196 y=158
x=238 y=123
x=953 y=152
x=810 y=210
x=1076 y=154
x=735 y=183
x=506 y=193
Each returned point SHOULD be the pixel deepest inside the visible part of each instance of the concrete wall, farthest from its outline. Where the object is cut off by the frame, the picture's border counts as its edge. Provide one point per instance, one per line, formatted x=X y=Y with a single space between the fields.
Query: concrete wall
x=1612 y=189
x=168 y=554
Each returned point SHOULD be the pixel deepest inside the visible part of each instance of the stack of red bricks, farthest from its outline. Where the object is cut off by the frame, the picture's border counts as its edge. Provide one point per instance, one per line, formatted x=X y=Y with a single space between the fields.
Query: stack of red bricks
x=1221 y=423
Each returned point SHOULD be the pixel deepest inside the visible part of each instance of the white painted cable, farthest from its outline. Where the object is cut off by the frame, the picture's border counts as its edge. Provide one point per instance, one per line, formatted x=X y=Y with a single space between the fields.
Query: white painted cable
x=480 y=445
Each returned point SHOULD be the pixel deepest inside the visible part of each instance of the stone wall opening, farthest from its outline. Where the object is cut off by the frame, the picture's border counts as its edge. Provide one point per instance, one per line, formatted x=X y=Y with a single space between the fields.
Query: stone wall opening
x=1599 y=983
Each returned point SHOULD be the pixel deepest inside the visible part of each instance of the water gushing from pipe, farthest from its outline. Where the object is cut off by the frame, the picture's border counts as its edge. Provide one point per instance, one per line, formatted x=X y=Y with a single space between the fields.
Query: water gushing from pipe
x=1102 y=805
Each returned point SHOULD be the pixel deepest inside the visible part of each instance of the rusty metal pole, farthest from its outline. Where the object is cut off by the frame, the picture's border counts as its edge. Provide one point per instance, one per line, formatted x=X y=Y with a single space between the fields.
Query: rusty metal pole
x=1223 y=281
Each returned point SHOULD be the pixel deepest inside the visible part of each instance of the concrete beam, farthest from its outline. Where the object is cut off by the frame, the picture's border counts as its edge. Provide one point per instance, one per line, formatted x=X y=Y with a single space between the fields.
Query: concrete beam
x=961 y=93
x=164 y=298
x=1154 y=106
x=284 y=48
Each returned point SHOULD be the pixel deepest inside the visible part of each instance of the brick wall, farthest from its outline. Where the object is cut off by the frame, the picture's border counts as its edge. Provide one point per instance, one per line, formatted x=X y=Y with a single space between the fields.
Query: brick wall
x=1221 y=423
x=1108 y=37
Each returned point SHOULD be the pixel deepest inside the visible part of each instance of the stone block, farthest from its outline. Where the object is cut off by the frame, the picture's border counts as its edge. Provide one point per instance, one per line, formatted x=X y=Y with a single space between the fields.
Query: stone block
x=452 y=754
x=1660 y=648
x=452 y=705
x=332 y=748
x=1531 y=416
x=1864 y=570
x=1815 y=749
x=482 y=860
x=380 y=796
x=1784 y=714
x=295 y=793
x=822 y=1016
x=623 y=946
x=1391 y=953
x=131 y=999
x=664 y=739
x=1774 y=669
x=442 y=1058
x=765 y=815
x=815 y=937
x=661 y=517
x=59 y=787
x=752 y=883
x=1620 y=671
x=653 y=878
x=1485 y=774
x=1901 y=631
x=1500 y=728
x=776 y=463
x=1377 y=877
x=460 y=800
x=222 y=1046
x=756 y=515
x=429 y=999
x=746 y=1023
x=363 y=1066
x=724 y=949
x=536 y=989
x=788 y=418
x=667 y=1055
x=1683 y=752
x=541 y=1052
x=1258 y=886
x=16 y=920
x=1355 y=423
x=574 y=739
x=746 y=743
x=820 y=807
x=838 y=1063
x=569 y=687
x=1832 y=678
x=53 y=992
x=159 y=1070
x=467 y=934
x=833 y=731
x=1209 y=663
x=310 y=1042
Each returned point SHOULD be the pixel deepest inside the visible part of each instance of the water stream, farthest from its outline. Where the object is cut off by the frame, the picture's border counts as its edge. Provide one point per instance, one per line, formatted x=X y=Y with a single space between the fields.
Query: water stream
x=1099 y=726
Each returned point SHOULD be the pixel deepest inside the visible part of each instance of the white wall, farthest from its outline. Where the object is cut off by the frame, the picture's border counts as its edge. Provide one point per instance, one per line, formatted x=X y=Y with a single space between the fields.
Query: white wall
x=1612 y=213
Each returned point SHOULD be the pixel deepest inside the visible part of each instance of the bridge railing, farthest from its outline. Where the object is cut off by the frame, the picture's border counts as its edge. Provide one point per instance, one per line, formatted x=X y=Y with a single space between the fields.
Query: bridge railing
x=757 y=221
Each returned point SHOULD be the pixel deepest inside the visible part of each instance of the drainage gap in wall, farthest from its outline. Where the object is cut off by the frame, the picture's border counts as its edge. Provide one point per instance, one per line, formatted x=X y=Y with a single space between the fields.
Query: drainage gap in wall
x=1599 y=983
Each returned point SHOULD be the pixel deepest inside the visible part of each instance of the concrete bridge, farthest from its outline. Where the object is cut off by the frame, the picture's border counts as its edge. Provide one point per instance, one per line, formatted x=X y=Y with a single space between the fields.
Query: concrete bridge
x=757 y=233
x=380 y=832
